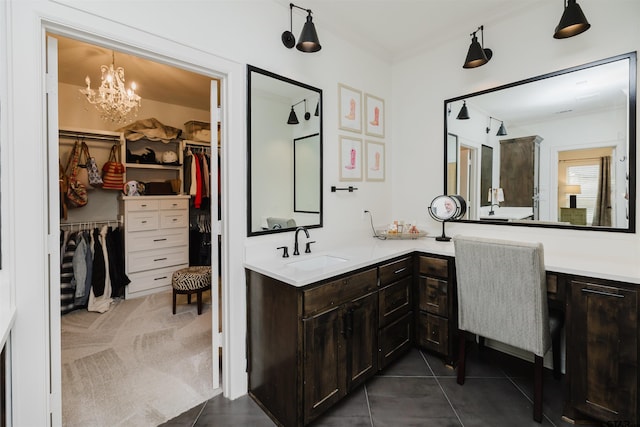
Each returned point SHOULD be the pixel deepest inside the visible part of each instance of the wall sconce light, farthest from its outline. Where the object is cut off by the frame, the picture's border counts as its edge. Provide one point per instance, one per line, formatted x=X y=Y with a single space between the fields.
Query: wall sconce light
x=502 y=131
x=573 y=21
x=495 y=195
x=464 y=112
x=308 y=41
x=477 y=54
x=293 y=118
x=572 y=191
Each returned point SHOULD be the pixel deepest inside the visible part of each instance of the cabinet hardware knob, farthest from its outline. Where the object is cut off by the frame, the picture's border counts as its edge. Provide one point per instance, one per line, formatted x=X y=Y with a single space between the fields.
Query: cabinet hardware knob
x=400 y=271
x=144 y=222
x=160 y=278
x=159 y=240
x=159 y=259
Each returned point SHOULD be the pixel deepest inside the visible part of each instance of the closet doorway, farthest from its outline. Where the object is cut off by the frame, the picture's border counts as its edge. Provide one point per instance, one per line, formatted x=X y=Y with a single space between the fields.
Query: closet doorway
x=75 y=119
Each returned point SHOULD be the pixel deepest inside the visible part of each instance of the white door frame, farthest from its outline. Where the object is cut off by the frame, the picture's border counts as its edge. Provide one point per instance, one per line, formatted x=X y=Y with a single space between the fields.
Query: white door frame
x=52 y=149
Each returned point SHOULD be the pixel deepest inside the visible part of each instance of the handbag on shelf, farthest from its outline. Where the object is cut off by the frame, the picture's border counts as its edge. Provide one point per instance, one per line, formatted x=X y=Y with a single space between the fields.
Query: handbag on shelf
x=83 y=171
x=76 y=191
x=113 y=171
x=93 y=173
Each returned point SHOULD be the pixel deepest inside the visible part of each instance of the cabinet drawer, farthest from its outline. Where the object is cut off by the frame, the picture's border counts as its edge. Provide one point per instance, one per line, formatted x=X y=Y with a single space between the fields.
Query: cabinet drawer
x=160 y=258
x=432 y=296
x=140 y=221
x=174 y=219
x=156 y=239
x=395 y=340
x=437 y=267
x=141 y=205
x=434 y=333
x=336 y=292
x=151 y=279
x=396 y=270
x=174 y=204
x=394 y=301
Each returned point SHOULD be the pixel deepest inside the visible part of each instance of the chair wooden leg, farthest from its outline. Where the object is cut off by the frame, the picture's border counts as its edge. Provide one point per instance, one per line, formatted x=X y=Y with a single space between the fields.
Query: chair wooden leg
x=537 y=389
x=462 y=356
x=556 y=344
x=174 y=301
x=199 y=303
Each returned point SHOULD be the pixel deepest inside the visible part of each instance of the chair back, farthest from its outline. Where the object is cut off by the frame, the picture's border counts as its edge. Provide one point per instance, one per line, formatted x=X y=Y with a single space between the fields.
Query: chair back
x=502 y=291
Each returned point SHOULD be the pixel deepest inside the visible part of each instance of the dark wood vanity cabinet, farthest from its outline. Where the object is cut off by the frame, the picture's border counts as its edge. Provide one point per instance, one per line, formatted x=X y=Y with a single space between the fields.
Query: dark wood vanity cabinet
x=602 y=351
x=395 y=310
x=308 y=347
x=436 y=320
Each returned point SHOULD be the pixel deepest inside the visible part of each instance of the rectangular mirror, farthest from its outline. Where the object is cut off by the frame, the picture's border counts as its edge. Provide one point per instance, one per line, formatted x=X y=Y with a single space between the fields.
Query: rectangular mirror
x=284 y=132
x=557 y=150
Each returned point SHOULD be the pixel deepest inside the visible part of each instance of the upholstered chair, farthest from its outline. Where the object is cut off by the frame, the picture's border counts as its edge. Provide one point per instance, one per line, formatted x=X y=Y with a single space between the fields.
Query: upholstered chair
x=502 y=295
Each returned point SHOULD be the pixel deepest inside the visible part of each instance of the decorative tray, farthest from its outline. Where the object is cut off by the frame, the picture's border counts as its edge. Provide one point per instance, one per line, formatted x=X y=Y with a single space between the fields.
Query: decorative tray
x=401 y=236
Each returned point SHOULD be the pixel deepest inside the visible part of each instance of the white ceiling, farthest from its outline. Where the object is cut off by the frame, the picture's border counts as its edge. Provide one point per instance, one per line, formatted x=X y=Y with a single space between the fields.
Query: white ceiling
x=391 y=29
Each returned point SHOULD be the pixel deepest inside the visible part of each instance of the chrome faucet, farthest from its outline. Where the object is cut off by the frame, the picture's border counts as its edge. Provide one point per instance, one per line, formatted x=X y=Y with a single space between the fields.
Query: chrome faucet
x=295 y=245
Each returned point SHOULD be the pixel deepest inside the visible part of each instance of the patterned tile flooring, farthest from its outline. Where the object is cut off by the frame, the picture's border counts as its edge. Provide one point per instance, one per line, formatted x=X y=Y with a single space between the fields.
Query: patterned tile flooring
x=417 y=390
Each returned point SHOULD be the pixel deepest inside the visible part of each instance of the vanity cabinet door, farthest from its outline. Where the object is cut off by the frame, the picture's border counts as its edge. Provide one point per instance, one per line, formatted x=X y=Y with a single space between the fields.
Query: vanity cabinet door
x=361 y=334
x=602 y=350
x=436 y=319
x=325 y=380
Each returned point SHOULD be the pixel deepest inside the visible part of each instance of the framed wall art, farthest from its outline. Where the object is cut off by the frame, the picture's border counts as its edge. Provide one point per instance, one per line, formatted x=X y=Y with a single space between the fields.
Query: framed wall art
x=349 y=108
x=375 y=164
x=374 y=115
x=350 y=159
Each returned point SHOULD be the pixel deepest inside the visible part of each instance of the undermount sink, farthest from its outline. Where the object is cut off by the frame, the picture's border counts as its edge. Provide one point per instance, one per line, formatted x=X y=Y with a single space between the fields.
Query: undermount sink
x=317 y=262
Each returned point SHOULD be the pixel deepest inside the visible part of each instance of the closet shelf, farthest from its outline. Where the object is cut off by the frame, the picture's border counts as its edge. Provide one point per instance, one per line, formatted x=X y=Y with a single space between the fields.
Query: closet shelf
x=152 y=166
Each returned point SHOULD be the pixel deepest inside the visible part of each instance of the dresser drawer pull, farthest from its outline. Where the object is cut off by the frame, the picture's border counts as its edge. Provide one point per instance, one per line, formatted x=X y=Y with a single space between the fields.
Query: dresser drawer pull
x=159 y=240
x=143 y=206
x=160 y=259
x=160 y=278
x=174 y=219
x=143 y=222
x=606 y=294
x=400 y=271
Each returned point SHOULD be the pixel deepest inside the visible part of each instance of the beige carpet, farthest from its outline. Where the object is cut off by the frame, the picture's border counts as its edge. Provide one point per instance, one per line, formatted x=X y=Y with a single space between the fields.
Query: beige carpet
x=137 y=364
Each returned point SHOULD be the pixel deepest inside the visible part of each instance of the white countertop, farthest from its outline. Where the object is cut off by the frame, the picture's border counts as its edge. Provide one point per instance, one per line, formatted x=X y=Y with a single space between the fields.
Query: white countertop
x=365 y=252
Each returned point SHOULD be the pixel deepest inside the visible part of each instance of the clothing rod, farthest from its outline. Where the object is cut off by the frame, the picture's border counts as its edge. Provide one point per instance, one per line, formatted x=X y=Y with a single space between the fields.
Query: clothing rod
x=86 y=135
x=100 y=221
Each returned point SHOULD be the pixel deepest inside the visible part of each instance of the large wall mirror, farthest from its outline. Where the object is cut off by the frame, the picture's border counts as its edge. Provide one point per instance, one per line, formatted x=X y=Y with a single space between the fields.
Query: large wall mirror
x=284 y=153
x=557 y=150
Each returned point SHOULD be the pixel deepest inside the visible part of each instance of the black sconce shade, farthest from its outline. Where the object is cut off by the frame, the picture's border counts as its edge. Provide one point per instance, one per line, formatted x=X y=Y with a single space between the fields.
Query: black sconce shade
x=502 y=131
x=293 y=119
x=308 y=37
x=464 y=112
x=317 y=113
x=477 y=54
x=572 y=23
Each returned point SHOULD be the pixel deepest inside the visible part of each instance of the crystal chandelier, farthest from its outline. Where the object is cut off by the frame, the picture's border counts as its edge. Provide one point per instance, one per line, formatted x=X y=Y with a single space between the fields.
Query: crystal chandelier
x=114 y=102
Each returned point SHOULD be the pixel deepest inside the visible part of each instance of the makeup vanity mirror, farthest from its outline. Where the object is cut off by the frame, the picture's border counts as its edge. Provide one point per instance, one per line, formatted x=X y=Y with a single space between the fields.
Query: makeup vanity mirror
x=284 y=132
x=557 y=150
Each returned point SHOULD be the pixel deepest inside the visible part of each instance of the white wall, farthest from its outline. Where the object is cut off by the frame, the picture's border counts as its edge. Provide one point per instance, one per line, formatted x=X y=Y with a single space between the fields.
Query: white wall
x=212 y=37
x=523 y=47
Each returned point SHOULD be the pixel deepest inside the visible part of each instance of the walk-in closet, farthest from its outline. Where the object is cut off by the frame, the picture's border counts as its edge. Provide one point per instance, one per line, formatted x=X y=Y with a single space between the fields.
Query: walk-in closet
x=146 y=207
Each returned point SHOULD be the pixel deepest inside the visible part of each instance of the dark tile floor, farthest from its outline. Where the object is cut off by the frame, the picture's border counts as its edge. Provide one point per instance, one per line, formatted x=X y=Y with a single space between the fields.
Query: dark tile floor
x=417 y=390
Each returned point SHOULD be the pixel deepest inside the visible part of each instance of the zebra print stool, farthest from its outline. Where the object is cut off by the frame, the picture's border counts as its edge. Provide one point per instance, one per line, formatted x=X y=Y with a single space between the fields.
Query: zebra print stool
x=191 y=280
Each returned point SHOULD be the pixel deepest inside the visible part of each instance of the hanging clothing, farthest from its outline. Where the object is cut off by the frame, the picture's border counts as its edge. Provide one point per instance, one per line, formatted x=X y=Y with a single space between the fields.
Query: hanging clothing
x=103 y=302
x=67 y=289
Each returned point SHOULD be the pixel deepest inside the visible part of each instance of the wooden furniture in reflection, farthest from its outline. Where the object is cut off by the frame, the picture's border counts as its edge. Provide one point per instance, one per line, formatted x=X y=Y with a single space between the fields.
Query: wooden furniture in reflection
x=575 y=216
x=520 y=171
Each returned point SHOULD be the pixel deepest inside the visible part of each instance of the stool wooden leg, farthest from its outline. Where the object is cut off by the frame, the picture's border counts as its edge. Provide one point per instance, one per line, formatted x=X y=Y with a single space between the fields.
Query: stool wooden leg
x=174 y=301
x=462 y=356
x=537 y=389
x=199 y=303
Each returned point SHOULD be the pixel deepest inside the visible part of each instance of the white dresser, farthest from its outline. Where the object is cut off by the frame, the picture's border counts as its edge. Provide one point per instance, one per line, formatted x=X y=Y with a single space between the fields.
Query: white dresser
x=156 y=241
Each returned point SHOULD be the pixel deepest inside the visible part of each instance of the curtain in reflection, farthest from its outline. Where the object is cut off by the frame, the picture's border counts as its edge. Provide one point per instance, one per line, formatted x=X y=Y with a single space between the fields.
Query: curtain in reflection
x=602 y=211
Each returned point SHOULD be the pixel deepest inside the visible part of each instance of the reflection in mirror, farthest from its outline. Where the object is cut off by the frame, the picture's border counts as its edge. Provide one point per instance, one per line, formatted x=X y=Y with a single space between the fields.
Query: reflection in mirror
x=284 y=182
x=452 y=164
x=560 y=148
x=307 y=163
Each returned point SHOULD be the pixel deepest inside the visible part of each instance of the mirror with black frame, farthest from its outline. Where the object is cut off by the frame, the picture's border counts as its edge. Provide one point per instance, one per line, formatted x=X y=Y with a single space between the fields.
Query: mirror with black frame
x=284 y=132
x=557 y=150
